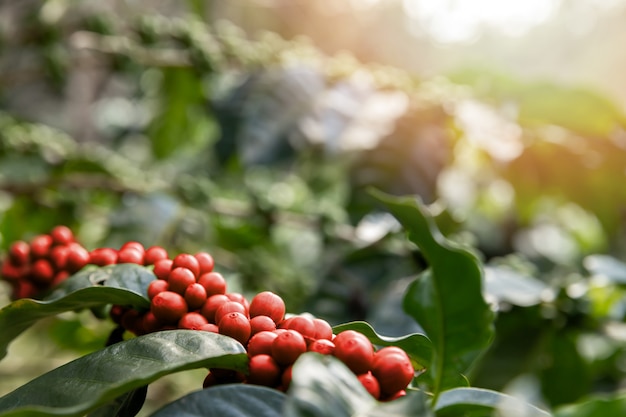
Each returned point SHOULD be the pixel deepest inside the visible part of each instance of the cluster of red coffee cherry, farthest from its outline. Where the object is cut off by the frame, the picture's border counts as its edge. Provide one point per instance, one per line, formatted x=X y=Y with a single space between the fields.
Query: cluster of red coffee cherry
x=36 y=266
x=189 y=294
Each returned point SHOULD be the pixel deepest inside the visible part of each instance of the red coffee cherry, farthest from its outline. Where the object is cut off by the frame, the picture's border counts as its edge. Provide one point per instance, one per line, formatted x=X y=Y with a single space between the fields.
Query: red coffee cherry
x=150 y=323
x=59 y=277
x=287 y=347
x=323 y=330
x=168 y=307
x=267 y=303
x=263 y=370
x=132 y=321
x=154 y=254
x=103 y=256
x=262 y=323
x=394 y=396
x=180 y=278
x=210 y=327
x=58 y=257
x=235 y=325
x=205 y=261
x=213 y=282
x=261 y=343
x=323 y=346
x=12 y=272
x=157 y=286
x=130 y=255
x=23 y=289
x=42 y=271
x=304 y=325
x=370 y=383
x=192 y=321
x=211 y=305
x=133 y=245
x=40 y=246
x=195 y=296
x=19 y=253
x=77 y=258
x=188 y=261
x=285 y=378
x=62 y=235
x=393 y=369
x=116 y=312
x=229 y=307
x=355 y=350
x=235 y=296
x=163 y=268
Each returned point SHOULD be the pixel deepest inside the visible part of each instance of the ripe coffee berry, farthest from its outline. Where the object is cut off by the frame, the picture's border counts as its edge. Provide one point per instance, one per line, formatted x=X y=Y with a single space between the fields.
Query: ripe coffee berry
x=193 y=321
x=229 y=307
x=393 y=369
x=58 y=257
x=285 y=378
x=211 y=305
x=19 y=253
x=267 y=303
x=168 y=307
x=133 y=245
x=163 y=268
x=42 y=271
x=77 y=258
x=235 y=325
x=157 y=286
x=40 y=246
x=213 y=282
x=302 y=324
x=150 y=323
x=235 y=296
x=323 y=330
x=179 y=279
x=261 y=343
x=61 y=235
x=287 y=347
x=195 y=295
x=210 y=327
x=205 y=261
x=263 y=370
x=323 y=346
x=188 y=261
x=103 y=256
x=262 y=323
x=130 y=255
x=370 y=383
x=355 y=350
x=154 y=254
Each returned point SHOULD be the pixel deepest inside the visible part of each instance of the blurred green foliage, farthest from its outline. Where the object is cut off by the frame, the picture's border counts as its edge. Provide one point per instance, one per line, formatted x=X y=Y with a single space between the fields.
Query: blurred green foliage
x=172 y=132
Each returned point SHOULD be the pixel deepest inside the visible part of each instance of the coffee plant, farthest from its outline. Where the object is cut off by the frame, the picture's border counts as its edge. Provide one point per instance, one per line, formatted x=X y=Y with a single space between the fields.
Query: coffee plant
x=183 y=201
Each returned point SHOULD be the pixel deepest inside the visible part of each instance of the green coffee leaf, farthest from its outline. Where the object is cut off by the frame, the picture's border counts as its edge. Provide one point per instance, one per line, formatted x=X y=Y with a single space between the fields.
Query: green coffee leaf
x=236 y=400
x=97 y=379
x=416 y=345
x=482 y=402
x=124 y=284
x=323 y=386
x=446 y=300
x=597 y=406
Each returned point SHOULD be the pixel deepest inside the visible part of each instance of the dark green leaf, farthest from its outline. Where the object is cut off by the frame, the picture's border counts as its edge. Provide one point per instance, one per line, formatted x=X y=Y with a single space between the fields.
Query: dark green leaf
x=126 y=405
x=594 y=407
x=482 y=402
x=417 y=345
x=446 y=300
x=98 y=378
x=116 y=284
x=323 y=386
x=236 y=400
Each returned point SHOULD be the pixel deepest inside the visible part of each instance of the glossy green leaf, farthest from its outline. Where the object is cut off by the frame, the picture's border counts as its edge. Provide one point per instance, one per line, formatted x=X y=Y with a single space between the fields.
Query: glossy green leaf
x=116 y=284
x=126 y=405
x=594 y=407
x=323 y=386
x=446 y=300
x=233 y=400
x=99 y=378
x=481 y=402
x=416 y=345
